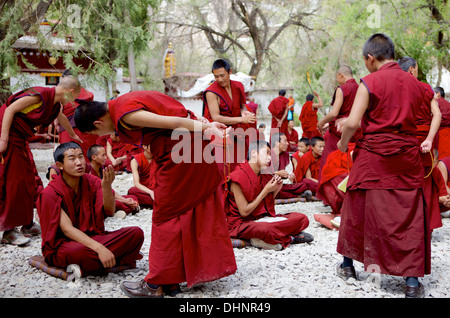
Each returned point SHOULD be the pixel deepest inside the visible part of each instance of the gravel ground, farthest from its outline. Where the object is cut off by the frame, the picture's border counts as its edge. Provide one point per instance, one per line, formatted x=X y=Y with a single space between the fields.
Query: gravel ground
x=300 y=271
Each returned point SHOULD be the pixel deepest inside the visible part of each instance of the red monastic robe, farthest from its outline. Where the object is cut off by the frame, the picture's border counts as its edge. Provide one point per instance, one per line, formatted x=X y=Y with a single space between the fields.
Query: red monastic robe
x=309 y=121
x=292 y=137
x=146 y=171
x=121 y=149
x=69 y=110
x=279 y=232
x=277 y=108
x=305 y=162
x=332 y=136
x=384 y=221
x=335 y=170
x=444 y=129
x=190 y=240
x=85 y=210
x=17 y=170
x=423 y=122
x=237 y=143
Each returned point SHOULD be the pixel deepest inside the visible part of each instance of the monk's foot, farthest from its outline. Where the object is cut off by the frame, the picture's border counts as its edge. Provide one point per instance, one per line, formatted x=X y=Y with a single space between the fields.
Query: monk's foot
x=302 y=237
x=141 y=289
x=171 y=290
x=14 y=237
x=34 y=230
x=307 y=195
x=415 y=291
x=265 y=246
x=345 y=272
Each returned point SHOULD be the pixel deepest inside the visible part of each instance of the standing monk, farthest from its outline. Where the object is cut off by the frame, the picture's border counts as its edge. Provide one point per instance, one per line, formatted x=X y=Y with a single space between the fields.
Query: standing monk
x=190 y=240
x=21 y=113
x=308 y=116
x=428 y=121
x=279 y=108
x=224 y=102
x=384 y=208
x=342 y=102
x=444 y=129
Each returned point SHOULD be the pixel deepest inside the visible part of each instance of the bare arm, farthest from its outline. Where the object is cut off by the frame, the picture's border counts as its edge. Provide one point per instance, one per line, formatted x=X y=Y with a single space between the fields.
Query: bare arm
x=109 y=201
x=334 y=112
x=246 y=208
x=106 y=256
x=319 y=104
x=213 y=106
x=352 y=123
x=8 y=117
x=64 y=122
x=434 y=126
x=136 y=179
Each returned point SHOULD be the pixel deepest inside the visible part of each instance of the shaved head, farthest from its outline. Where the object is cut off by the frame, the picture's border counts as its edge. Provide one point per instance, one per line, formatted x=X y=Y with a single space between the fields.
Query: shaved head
x=345 y=70
x=70 y=82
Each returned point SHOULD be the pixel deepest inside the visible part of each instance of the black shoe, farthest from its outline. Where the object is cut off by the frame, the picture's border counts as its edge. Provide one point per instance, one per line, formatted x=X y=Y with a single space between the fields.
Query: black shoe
x=345 y=272
x=415 y=291
x=302 y=237
x=171 y=290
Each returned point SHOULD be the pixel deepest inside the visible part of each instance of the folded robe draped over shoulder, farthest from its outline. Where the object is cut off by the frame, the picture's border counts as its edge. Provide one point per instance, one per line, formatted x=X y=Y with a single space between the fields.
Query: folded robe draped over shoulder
x=17 y=169
x=385 y=220
x=190 y=241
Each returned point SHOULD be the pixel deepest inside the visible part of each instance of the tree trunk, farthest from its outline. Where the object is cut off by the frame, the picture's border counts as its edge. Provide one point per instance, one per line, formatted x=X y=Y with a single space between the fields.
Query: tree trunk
x=132 y=70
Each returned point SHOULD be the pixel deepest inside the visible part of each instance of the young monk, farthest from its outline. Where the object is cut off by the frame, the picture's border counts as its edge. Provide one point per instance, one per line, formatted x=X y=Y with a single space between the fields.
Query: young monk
x=124 y=204
x=250 y=207
x=444 y=129
x=304 y=144
x=21 y=113
x=384 y=191
x=279 y=108
x=72 y=209
x=428 y=120
x=143 y=168
x=308 y=164
x=292 y=137
x=224 y=102
x=279 y=162
x=190 y=240
x=119 y=152
x=308 y=116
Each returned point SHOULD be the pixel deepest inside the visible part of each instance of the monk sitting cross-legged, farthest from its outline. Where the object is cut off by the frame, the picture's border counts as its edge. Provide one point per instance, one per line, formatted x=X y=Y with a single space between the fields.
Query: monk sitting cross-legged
x=143 y=168
x=72 y=209
x=250 y=207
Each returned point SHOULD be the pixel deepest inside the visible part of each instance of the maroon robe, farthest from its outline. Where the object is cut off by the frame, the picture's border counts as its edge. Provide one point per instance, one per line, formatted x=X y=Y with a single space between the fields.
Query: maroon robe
x=17 y=169
x=146 y=171
x=384 y=219
x=309 y=121
x=292 y=137
x=277 y=108
x=85 y=210
x=230 y=106
x=190 y=240
x=241 y=227
x=69 y=110
x=444 y=129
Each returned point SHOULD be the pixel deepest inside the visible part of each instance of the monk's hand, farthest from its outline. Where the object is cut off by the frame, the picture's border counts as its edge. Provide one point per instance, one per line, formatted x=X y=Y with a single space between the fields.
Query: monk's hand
x=217 y=129
x=340 y=123
x=106 y=257
x=3 y=145
x=426 y=146
x=76 y=138
x=274 y=184
x=341 y=146
x=108 y=176
x=248 y=117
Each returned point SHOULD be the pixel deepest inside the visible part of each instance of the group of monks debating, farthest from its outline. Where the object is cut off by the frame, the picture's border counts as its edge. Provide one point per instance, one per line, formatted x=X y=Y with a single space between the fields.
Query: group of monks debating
x=373 y=159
